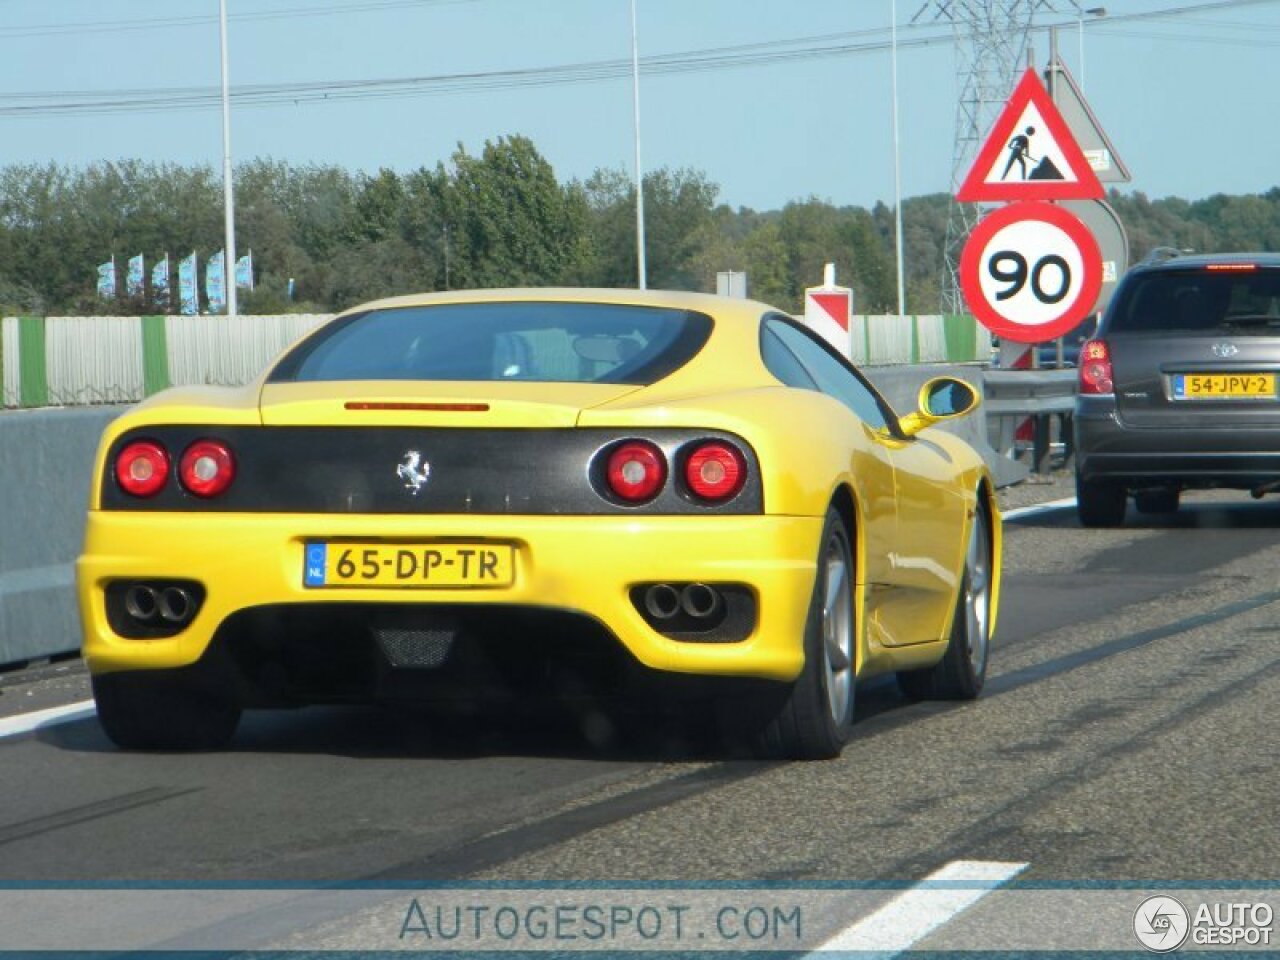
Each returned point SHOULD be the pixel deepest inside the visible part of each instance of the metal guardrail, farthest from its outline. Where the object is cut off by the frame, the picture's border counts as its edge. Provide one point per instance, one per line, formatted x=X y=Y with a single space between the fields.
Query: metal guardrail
x=1012 y=396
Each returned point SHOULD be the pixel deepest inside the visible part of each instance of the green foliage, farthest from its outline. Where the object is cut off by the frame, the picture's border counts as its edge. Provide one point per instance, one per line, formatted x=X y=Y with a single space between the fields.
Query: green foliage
x=499 y=218
x=510 y=222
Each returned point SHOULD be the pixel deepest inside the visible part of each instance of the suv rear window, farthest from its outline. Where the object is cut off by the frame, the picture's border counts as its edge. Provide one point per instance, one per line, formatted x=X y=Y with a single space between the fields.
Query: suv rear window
x=1198 y=299
x=536 y=341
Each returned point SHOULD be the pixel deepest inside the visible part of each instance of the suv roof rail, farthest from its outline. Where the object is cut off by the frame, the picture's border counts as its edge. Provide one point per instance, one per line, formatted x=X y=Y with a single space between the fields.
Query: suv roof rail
x=1161 y=254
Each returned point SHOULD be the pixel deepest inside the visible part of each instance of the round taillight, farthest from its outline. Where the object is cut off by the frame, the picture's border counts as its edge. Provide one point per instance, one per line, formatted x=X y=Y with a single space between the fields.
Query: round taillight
x=636 y=471
x=715 y=471
x=142 y=468
x=207 y=468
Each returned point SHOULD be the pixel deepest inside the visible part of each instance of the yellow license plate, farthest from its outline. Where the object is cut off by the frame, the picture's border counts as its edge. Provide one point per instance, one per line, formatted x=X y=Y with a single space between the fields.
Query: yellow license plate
x=409 y=565
x=1193 y=386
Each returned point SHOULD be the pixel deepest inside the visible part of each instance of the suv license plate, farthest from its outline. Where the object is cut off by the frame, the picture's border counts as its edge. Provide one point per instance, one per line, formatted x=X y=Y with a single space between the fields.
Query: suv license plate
x=1212 y=386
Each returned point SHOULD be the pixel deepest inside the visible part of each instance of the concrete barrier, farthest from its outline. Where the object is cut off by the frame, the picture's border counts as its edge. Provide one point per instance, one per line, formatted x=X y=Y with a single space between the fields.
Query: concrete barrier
x=46 y=469
x=45 y=472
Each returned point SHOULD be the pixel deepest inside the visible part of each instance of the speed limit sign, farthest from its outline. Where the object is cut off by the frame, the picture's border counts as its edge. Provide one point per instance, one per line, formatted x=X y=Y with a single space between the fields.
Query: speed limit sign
x=1030 y=272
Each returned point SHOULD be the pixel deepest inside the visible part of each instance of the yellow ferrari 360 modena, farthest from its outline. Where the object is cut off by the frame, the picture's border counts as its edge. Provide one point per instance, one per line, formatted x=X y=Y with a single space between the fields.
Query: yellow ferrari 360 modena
x=647 y=496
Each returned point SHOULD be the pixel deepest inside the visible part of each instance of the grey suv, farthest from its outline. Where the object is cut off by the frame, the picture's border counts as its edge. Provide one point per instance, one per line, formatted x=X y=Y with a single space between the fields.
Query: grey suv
x=1178 y=390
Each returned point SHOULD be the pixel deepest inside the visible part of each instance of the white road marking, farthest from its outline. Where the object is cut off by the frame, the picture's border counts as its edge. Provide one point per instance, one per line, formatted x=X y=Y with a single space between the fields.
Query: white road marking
x=1021 y=513
x=915 y=913
x=39 y=719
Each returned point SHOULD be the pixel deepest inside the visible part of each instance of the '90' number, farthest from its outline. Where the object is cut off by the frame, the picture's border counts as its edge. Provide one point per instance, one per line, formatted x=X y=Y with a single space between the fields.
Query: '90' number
x=1009 y=266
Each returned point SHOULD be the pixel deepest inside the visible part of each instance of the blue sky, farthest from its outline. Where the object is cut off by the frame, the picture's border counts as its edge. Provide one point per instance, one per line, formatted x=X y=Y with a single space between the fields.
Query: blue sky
x=1189 y=100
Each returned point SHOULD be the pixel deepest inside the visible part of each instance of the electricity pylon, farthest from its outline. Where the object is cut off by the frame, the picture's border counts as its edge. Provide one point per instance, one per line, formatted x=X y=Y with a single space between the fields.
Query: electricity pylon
x=991 y=40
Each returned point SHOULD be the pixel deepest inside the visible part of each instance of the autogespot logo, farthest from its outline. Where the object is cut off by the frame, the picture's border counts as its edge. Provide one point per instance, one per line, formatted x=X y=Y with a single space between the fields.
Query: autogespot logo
x=1161 y=923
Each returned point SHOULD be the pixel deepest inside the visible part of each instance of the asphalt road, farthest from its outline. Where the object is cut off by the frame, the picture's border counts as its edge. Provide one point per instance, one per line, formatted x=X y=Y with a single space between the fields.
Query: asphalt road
x=1128 y=732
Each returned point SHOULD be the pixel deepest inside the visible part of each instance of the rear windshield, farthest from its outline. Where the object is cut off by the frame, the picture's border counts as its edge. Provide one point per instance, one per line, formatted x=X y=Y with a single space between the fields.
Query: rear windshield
x=1189 y=300
x=566 y=342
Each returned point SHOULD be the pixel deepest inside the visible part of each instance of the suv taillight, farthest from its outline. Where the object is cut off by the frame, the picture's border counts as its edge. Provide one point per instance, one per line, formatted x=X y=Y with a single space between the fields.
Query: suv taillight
x=1095 y=368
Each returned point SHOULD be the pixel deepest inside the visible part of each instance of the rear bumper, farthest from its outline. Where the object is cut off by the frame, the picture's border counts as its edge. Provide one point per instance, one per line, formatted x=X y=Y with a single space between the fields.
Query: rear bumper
x=584 y=565
x=1107 y=449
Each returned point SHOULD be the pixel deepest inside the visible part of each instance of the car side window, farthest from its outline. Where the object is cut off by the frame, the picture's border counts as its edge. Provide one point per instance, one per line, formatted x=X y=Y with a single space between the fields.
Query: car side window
x=831 y=374
x=782 y=363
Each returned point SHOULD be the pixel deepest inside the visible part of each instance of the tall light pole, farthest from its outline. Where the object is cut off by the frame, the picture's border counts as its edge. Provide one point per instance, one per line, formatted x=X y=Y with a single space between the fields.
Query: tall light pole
x=1092 y=12
x=897 y=158
x=635 y=102
x=228 y=192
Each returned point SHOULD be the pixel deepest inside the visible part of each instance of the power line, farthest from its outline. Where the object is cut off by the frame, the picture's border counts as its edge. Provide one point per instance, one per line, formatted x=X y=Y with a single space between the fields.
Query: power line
x=81 y=103
x=168 y=23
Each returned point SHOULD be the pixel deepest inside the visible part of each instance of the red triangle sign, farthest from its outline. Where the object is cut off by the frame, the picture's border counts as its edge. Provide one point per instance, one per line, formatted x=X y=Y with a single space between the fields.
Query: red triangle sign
x=1030 y=154
x=835 y=305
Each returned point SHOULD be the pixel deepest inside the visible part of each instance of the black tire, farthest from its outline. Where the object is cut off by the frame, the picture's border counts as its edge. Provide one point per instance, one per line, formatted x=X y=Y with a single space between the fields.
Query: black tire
x=154 y=710
x=1157 y=501
x=815 y=719
x=962 y=671
x=1099 y=503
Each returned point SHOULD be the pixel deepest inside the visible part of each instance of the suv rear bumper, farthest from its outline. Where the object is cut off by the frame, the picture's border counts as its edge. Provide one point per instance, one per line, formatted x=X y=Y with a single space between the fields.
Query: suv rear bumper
x=1106 y=449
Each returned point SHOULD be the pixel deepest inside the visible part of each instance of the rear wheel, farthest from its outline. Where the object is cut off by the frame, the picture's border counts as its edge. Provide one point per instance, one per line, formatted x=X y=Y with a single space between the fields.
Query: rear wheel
x=1099 y=503
x=154 y=710
x=962 y=671
x=1157 y=501
x=816 y=717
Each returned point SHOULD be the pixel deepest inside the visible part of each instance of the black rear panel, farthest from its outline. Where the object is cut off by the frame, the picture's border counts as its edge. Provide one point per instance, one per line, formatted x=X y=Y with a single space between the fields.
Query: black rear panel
x=473 y=471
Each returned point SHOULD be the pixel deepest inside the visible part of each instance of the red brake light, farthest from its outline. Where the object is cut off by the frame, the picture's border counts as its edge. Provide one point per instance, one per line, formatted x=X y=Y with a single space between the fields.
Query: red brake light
x=397 y=405
x=636 y=471
x=207 y=468
x=1232 y=267
x=142 y=468
x=1095 y=368
x=715 y=471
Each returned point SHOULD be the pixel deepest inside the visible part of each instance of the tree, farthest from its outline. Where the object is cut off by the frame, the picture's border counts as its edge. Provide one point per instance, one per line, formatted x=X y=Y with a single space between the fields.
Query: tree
x=678 y=206
x=509 y=222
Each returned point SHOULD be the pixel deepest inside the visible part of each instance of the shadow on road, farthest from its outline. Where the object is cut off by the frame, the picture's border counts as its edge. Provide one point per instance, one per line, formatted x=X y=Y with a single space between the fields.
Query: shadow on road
x=410 y=732
x=1246 y=514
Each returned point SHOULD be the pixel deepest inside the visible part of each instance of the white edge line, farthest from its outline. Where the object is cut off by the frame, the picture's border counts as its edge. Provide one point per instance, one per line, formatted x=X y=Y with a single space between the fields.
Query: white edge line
x=1020 y=513
x=915 y=913
x=38 y=719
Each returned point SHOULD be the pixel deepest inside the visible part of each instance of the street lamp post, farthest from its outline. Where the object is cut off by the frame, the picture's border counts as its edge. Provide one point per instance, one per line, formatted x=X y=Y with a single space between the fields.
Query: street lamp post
x=228 y=192
x=897 y=159
x=1091 y=12
x=641 y=270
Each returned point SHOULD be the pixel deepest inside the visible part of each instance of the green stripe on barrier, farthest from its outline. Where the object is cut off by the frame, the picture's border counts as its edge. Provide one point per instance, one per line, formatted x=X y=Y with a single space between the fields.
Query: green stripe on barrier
x=33 y=370
x=915 y=339
x=961 y=332
x=155 y=356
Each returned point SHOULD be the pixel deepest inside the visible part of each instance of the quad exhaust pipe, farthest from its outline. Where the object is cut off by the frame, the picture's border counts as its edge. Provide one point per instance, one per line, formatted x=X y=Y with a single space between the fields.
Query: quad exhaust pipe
x=148 y=604
x=662 y=601
x=700 y=601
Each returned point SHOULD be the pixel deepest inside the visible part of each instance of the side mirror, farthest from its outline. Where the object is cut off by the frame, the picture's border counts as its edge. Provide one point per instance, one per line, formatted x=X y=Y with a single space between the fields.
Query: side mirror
x=942 y=398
